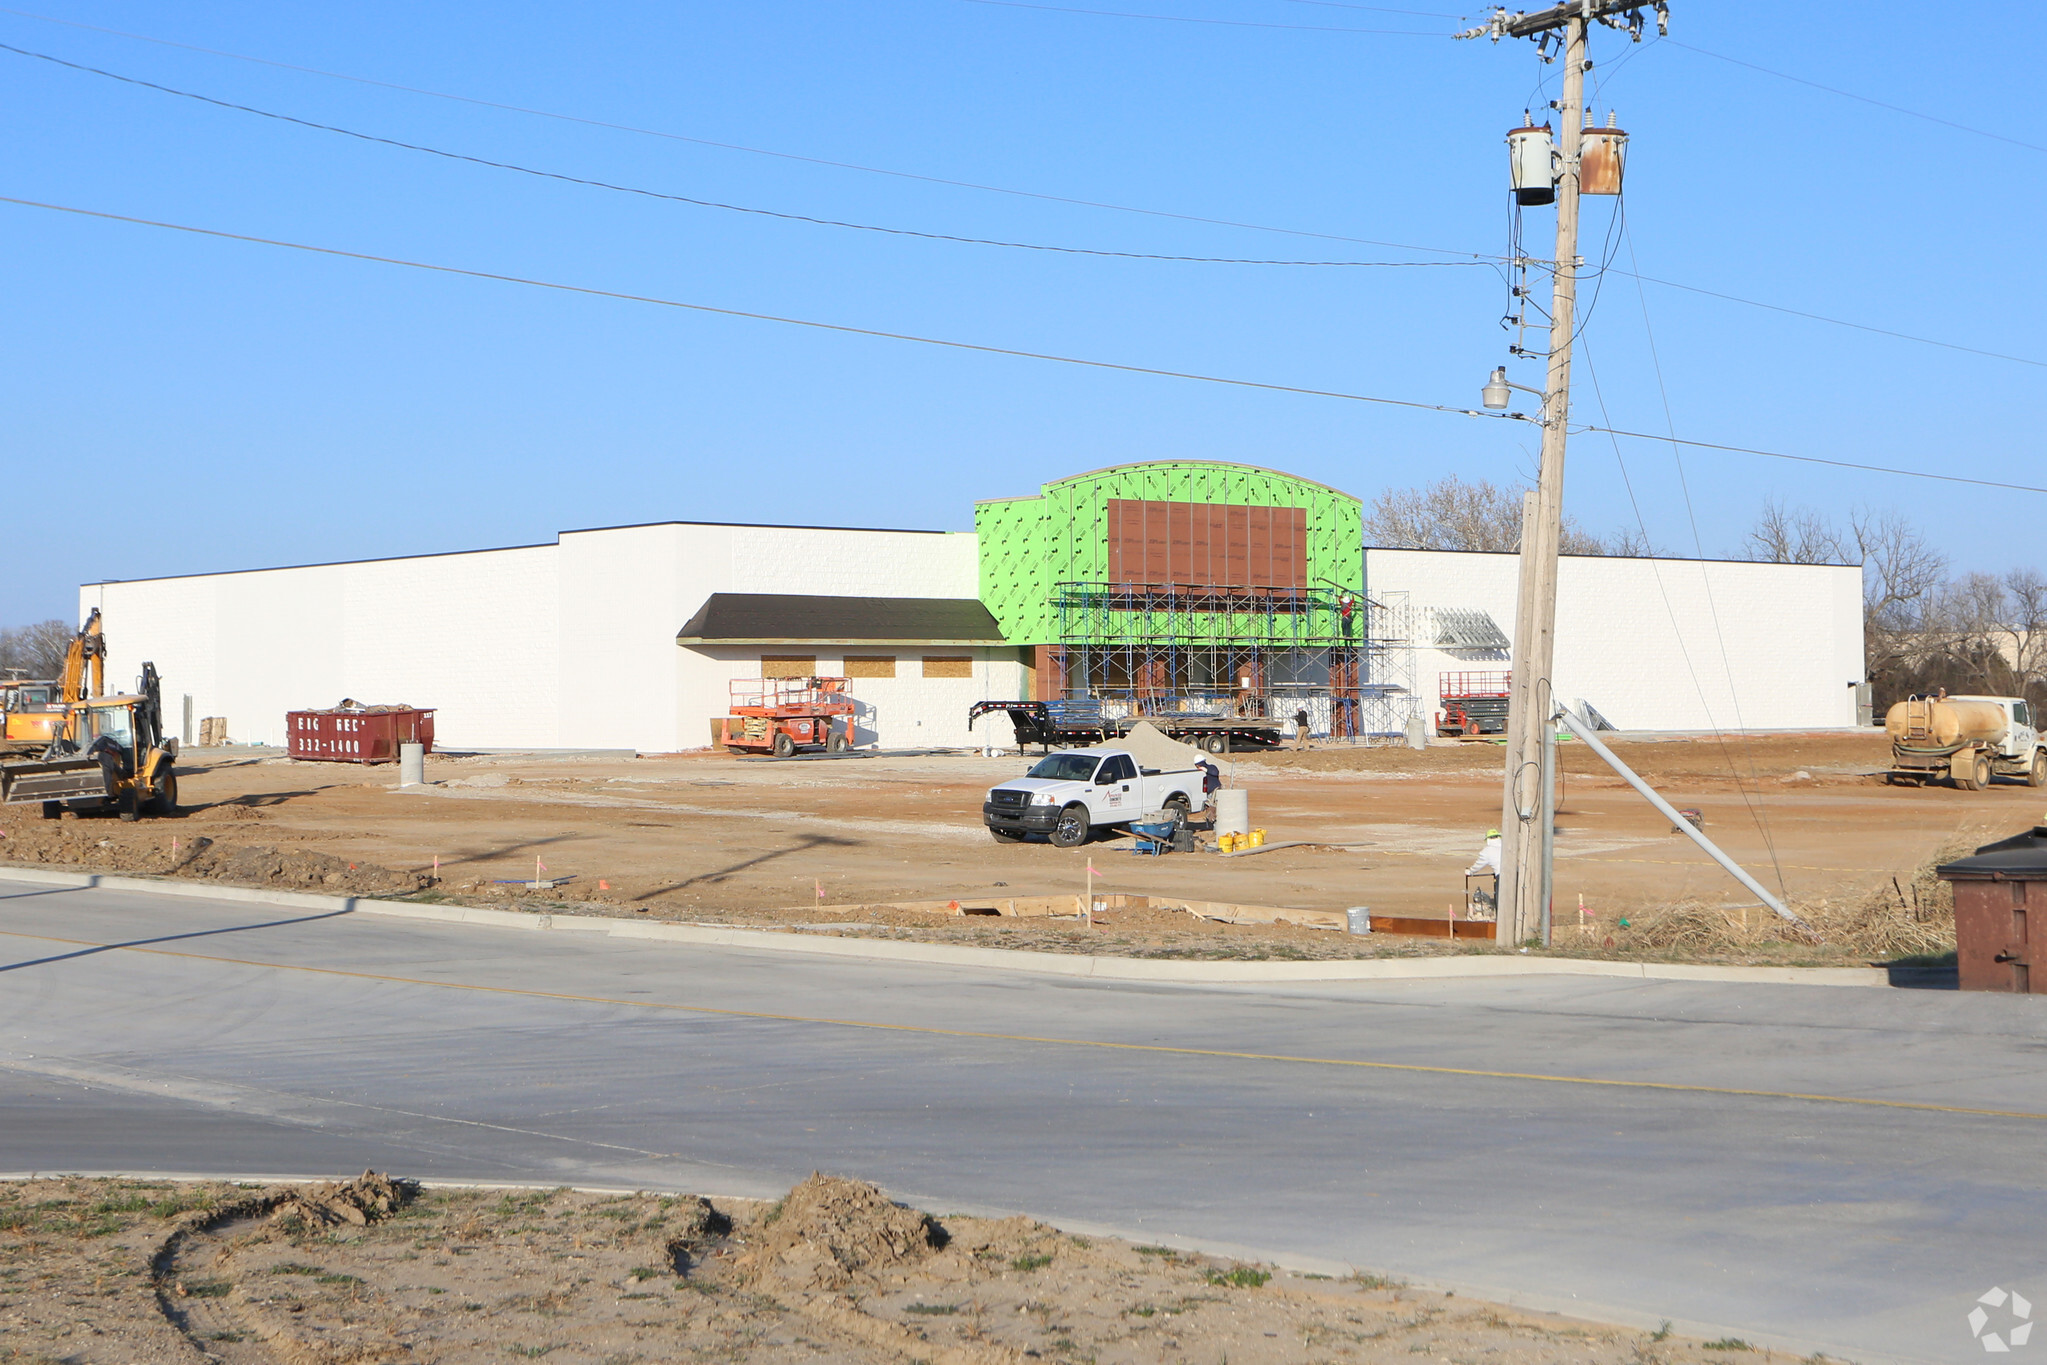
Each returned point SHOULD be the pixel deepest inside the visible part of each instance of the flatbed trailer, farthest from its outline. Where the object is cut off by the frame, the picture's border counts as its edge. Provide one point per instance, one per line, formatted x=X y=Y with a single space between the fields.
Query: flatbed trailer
x=1219 y=734
x=1052 y=725
x=1079 y=722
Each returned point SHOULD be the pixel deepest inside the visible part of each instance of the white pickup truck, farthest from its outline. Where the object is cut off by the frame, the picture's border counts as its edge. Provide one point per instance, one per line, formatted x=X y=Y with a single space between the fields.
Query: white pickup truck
x=1070 y=794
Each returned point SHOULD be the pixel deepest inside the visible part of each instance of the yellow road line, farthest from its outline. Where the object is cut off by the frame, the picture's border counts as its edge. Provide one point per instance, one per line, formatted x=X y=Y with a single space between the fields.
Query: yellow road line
x=1414 y=1067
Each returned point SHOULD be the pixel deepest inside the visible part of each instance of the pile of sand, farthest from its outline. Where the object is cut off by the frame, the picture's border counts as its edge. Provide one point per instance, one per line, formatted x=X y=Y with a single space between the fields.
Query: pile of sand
x=831 y=1231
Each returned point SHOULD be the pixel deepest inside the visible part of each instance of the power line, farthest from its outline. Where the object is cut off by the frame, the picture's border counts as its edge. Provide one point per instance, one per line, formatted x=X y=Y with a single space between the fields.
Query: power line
x=699 y=203
x=1755 y=807
x=1188 y=19
x=737 y=312
x=1684 y=483
x=741 y=147
x=963 y=345
x=1862 y=99
x=913 y=175
x=1037 y=195
x=1606 y=267
x=1815 y=459
x=1381 y=9
x=1837 y=322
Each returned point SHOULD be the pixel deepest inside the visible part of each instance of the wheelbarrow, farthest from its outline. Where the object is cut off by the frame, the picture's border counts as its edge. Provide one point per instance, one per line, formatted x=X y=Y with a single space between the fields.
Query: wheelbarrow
x=1153 y=836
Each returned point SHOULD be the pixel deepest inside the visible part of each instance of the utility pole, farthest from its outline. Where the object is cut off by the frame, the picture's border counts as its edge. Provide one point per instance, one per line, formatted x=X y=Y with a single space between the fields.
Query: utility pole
x=1525 y=810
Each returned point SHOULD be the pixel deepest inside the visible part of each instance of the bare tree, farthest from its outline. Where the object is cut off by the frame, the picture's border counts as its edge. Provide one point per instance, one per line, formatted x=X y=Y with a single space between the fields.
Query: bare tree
x=1923 y=628
x=1449 y=514
x=36 y=650
x=1455 y=514
x=1899 y=569
x=2024 y=628
x=1793 y=535
x=1629 y=541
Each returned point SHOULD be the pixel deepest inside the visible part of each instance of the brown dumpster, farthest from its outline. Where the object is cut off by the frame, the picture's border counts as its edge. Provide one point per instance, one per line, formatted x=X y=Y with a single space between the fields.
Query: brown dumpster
x=1995 y=891
x=357 y=734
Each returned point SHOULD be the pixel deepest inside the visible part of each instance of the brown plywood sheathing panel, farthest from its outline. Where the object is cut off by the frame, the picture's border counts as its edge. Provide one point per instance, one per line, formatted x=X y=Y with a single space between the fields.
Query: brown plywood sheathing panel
x=947 y=667
x=788 y=665
x=871 y=666
x=1206 y=544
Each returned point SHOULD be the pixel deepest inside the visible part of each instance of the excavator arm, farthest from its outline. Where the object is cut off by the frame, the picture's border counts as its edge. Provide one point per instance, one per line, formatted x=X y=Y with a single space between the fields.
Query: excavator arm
x=88 y=652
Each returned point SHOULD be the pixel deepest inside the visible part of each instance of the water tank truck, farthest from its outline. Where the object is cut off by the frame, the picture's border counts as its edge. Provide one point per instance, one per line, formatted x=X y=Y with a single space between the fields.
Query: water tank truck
x=1969 y=739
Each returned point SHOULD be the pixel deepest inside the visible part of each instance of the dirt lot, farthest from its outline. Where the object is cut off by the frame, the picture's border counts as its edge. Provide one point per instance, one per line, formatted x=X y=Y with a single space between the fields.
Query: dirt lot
x=826 y=845
x=103 y=1272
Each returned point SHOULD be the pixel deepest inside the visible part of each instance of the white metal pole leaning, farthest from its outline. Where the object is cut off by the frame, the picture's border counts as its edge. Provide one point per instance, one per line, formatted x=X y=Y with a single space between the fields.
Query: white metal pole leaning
x=1524 y=800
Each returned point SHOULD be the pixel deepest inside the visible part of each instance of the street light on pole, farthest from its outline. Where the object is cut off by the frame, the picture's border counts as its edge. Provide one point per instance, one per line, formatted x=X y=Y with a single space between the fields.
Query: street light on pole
x=1525 y=797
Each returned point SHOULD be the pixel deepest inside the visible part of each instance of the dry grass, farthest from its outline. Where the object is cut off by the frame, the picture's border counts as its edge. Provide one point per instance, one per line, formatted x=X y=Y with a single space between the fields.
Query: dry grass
x=1895 y=919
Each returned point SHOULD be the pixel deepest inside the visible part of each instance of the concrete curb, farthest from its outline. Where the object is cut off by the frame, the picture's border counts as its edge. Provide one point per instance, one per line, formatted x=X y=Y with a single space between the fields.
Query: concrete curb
x=1002 y=959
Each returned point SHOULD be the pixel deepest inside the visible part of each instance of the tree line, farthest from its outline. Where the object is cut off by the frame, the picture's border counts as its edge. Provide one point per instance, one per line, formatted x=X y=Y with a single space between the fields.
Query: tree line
x=1923 y=625
x=35 y=651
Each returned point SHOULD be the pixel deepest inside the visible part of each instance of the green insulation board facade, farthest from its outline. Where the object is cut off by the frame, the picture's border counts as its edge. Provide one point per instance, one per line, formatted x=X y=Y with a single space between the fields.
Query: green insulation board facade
x=1076 y=532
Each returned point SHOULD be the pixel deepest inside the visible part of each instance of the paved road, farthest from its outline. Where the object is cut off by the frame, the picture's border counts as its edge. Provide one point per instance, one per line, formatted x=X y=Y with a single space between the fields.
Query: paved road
x=219 y=1037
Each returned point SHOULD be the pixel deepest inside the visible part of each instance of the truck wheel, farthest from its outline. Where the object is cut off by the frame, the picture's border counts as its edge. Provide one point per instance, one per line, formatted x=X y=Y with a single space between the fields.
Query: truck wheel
x=784 y=746
x=1072 y=829
x=1217 y=744
x=2036 y=776
x=165 y=802
x=1971 y=773
x=1005 y=836
x=1177 y=807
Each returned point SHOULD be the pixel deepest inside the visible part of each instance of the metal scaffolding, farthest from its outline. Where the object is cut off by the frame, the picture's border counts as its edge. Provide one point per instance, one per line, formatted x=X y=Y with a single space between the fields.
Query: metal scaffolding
x=1346 y=659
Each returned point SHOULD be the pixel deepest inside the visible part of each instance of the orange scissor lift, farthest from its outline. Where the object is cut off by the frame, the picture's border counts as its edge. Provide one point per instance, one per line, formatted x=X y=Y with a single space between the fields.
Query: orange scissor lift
x=782 y=715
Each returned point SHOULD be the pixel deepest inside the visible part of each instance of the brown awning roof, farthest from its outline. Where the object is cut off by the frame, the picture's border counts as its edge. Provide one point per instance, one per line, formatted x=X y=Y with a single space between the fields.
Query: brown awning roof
x=759 y=618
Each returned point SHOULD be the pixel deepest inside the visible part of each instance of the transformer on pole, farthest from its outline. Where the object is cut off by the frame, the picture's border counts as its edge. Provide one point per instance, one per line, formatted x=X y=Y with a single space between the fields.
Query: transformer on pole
x=1585 y=161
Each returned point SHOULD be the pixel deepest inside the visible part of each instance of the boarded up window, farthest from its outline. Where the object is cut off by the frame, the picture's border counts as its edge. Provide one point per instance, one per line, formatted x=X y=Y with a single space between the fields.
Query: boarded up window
x=788 y=665
x=935 y=667
x=871 y=666
x=1197 y=544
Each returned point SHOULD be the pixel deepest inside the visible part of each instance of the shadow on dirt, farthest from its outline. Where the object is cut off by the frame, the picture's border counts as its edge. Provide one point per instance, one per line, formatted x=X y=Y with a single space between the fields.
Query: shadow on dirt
x=803 y=845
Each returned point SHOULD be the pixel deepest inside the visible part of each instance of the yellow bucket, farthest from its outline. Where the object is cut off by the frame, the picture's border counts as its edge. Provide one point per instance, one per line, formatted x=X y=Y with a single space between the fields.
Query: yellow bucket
x=1227 y=843
x=1257 y=838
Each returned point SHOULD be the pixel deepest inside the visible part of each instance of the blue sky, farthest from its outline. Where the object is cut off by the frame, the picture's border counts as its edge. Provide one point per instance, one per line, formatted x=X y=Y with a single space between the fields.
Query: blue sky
x=199 y=404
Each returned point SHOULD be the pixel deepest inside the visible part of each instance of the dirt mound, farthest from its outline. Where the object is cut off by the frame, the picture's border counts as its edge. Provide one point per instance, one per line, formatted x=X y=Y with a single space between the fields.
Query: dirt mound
x=830 y=1231
x=360 y=1201
x=147 y=848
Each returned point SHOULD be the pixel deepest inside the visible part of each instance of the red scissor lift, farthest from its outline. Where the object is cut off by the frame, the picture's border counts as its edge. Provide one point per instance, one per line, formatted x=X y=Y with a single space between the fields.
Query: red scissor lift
x=1473 y=703
x=782 y=715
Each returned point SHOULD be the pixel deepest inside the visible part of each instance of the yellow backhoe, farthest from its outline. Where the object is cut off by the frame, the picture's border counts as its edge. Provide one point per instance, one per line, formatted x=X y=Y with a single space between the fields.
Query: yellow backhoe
x=97 y=752
x=36 y=710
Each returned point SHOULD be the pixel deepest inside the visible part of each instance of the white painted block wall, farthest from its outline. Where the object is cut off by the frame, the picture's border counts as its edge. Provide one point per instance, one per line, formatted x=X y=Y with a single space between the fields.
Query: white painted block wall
x=1662 y=644
x=775 y=559
x=908 y=711
x=472 y=635
x=570 y=645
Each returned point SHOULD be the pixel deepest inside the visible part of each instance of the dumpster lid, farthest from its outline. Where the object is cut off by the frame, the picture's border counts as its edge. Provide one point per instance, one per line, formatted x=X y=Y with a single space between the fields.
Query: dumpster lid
x=2023 y=856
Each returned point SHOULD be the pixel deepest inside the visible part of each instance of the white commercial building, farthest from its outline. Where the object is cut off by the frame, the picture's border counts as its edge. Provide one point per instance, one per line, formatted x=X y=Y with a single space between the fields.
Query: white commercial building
x=574 y=644
x=1648 y=644
x=631 y=637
